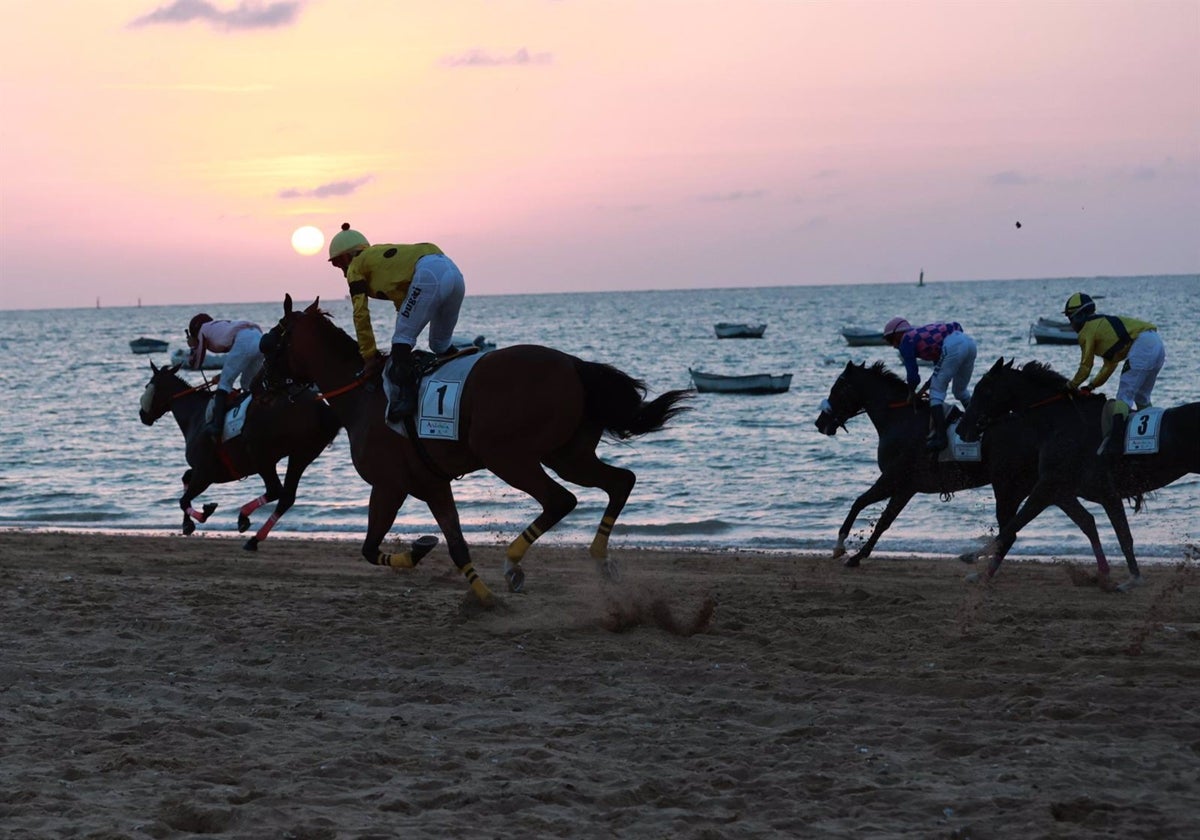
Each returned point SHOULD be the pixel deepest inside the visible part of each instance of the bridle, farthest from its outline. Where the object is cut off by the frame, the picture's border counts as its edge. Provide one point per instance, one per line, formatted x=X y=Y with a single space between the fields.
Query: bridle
x=272 y=344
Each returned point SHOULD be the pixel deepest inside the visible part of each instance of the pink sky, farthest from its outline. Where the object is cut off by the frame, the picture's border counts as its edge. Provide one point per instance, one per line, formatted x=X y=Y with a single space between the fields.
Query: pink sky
x=167 y=150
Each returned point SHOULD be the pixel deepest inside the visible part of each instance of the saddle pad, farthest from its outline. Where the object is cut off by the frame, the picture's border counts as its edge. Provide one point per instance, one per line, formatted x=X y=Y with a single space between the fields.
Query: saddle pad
x=235 y=417
x=438 y=399
x=959 y=449
x=1142 y=431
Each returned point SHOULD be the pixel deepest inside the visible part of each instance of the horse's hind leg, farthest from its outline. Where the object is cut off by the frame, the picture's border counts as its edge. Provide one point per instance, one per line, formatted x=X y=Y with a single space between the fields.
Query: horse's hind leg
x=1087 y=523
x=584 y=468
x=1115 y=508
x=274 y=490
x=556 y=501
x=890 y=512
x=192 y=488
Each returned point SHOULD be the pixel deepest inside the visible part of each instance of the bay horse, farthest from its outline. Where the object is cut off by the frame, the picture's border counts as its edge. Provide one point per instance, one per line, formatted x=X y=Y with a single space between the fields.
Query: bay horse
x=1065 y=428
x=524 y=408
x=1008 y=459
x=295 y=426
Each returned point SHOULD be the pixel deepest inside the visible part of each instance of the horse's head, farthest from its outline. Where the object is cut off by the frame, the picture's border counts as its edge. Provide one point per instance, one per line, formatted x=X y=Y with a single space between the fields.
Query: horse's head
x=305 y=345
x=160 y=390
x=994 y=396
x=852 y=391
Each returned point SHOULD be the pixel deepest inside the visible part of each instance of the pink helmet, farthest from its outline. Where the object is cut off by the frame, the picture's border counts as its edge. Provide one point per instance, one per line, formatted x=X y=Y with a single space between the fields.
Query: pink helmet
x=896 y=325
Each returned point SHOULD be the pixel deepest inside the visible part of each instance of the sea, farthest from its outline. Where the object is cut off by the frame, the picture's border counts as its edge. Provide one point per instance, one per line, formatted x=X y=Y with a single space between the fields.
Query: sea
x=738 y=473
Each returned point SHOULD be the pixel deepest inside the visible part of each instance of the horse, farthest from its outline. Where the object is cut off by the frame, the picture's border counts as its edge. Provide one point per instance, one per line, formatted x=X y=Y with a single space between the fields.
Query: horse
x=524 y=408
x=296 y=426
x=1065 y=427
x=1008 y=460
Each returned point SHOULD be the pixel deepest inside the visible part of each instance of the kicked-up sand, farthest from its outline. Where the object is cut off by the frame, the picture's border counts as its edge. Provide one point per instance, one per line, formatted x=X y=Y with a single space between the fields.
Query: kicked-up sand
x=171 y=687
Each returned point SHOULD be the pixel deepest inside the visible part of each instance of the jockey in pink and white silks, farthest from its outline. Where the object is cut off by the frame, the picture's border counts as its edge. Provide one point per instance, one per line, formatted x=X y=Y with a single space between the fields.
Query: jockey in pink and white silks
x=953 y=353
x=239 y=340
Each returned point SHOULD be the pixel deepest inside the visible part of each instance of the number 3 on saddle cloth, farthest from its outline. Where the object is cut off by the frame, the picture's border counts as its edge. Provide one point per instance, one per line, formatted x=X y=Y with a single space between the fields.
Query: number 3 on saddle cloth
x=439 y=394
x=1142 y=431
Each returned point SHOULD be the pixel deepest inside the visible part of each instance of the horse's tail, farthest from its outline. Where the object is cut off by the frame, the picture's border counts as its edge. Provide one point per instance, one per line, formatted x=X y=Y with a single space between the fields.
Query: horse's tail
x=617 y=402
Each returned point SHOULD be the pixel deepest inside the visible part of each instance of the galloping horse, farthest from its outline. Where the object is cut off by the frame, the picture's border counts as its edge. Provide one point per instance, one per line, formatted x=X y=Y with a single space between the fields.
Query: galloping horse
x=523 y=408
x=297 y=427
x=1066 y=431
x=905 y=467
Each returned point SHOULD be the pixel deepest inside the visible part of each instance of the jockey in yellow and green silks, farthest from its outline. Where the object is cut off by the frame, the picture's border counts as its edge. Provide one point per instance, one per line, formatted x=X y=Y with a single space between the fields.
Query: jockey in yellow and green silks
x=1116 y=339
x=423 y=284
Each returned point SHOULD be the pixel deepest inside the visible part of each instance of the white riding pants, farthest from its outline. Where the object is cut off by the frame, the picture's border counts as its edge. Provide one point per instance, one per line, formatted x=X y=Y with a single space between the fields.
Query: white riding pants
x=434 y=298
x=242 y=361
x=955 y=367
x=1145 y=360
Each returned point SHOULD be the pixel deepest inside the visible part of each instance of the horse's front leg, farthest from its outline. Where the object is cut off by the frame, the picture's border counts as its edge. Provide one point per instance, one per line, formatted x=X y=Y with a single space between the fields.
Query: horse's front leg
x=441 y=505
x=899 y=499
x=1040 y=498
x=877 y=492
x=273 y=491
x=1114 y=506
x=381 y=515
x=193 y=487
x=1087 y=524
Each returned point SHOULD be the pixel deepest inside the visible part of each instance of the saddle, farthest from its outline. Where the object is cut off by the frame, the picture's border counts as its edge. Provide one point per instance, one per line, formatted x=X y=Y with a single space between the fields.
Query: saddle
x=425 y=363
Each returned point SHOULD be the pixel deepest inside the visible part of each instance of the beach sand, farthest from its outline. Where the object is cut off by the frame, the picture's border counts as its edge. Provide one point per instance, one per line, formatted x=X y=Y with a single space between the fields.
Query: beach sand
x=168 y=687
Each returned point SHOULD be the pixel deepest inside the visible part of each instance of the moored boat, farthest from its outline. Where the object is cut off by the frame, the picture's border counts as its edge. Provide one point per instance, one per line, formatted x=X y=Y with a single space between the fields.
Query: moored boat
x=1050 y=331
x=148 y=345
x=755 y=383
x=727 y=330
x=863 y=337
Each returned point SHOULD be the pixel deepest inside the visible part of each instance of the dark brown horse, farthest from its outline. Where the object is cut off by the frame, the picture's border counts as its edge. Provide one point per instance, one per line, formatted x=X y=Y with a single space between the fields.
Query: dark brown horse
x=1065 y=429
x=524 y=408
x=1009 y=458
x=293 y=426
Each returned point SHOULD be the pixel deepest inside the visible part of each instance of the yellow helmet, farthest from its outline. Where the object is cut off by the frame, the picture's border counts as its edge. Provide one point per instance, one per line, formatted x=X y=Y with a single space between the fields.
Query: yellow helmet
x=345 y=241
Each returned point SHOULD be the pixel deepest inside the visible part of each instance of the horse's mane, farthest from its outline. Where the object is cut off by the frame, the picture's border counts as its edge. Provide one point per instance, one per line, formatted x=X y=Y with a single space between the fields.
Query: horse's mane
x=326 y=325
x=1042 y=374
x=880 y=369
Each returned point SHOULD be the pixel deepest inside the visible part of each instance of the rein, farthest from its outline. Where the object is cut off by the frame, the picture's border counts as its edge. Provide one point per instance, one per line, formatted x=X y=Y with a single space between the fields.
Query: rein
x=362 y=379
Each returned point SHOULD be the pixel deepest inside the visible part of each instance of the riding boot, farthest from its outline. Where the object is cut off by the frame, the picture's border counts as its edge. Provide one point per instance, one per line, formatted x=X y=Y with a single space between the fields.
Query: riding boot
x=1114 y=444
x=216 y=423
x=937 y=435
x=402 y=373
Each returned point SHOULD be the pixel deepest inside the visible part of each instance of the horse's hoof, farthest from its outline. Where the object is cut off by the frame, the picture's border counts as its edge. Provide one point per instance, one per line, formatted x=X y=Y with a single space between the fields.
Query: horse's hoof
x=420 y=547
x=188 y=526
x=838 y=552
x=208 y=510
x=515 y=576
x=243 y=523
x=251 y=544
x=852 y=562
x=972 y=577
x=1131 y=584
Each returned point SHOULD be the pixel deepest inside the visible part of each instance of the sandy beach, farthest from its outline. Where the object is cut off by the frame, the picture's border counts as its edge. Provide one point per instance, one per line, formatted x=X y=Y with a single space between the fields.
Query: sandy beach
x=168 y=687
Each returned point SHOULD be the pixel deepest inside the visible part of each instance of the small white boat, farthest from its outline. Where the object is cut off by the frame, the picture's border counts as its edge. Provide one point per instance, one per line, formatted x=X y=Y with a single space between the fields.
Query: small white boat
x=1050 y=331
x=459 y=343
x=755 y=383
x=726 y=330
x=863 y=337
x=148 y=345
x=212 y=361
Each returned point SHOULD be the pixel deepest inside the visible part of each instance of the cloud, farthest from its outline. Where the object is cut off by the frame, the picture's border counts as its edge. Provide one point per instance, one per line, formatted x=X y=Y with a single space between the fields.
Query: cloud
x=735 y=195
x=1011 y=178
x=330 y=190
x=248 y=14
x=479 y=58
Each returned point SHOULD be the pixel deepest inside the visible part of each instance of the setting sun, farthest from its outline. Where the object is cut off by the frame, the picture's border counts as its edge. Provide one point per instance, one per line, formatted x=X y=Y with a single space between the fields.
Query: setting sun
x=307 y=240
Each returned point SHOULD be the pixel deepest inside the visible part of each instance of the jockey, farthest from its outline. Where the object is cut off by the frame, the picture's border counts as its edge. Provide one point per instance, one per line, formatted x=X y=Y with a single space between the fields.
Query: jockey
x=1116 y=339
x=239 y=341
x=953 y=353
x=426 y=288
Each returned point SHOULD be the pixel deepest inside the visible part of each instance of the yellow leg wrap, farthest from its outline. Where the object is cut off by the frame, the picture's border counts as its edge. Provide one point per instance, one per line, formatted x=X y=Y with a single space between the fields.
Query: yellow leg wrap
x=518 y=547
x=480 y=588
x=403 y=560
x=599 y=549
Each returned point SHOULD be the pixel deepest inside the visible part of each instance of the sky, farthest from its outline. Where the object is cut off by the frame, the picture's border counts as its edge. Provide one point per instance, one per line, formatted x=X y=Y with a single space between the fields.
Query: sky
x=166 y=150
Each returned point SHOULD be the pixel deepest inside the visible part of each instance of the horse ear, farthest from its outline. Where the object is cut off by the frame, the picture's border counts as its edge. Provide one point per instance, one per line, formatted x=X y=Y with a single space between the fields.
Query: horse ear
x=287 y=304
x=153 y=369
x=175 y=368
x=999 y=363
x=314 y=306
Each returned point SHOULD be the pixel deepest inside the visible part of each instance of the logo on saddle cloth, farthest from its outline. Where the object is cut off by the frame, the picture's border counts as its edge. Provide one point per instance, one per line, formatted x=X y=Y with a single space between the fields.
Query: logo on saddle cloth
x=958 y=449
x=235 y=416
x=1142 y=431
x=439 y=398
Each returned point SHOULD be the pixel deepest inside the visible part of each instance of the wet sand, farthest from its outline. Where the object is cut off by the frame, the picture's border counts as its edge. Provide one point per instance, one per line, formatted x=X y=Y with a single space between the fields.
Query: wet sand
x=167 y=687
